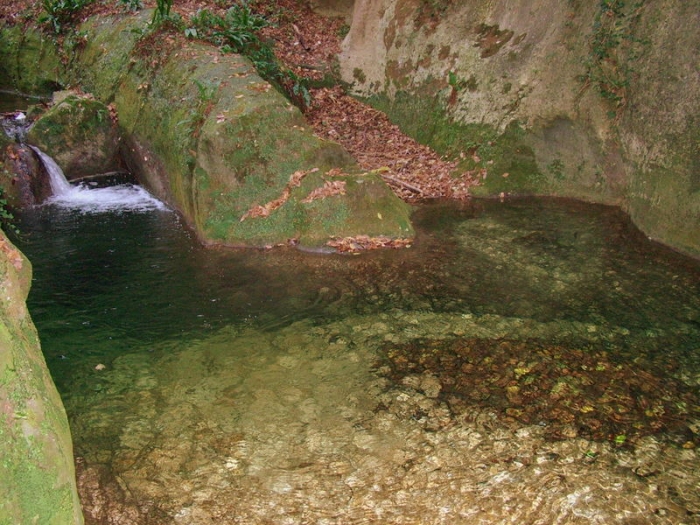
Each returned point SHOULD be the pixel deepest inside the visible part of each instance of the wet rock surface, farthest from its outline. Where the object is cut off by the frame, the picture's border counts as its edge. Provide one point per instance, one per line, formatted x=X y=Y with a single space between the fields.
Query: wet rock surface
x=25 y=181
x=36 y=454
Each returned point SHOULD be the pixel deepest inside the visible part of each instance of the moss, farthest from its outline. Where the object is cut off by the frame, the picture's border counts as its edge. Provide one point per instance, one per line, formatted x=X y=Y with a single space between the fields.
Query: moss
x=36 y=460
x=663 y=203
x=359 y=75
x=104 y=65
x=367 y=208
x=79 y=134
x=29 y=62
x=499 y=153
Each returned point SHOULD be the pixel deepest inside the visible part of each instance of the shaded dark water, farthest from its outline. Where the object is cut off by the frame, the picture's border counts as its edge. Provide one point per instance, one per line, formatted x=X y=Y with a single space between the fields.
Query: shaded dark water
x=240 y=383
x=11 y=101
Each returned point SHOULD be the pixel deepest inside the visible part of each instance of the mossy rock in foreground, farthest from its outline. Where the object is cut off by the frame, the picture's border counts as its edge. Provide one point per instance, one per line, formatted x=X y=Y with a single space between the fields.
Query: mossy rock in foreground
x=36 y=457
x=322 y=207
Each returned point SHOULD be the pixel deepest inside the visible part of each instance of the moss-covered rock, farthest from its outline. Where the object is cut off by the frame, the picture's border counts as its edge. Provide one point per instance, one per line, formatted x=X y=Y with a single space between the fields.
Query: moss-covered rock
x=30 y=62
x=206 y=134
x=36 y=457
x=79 y=134
x=23 y=178
x=203 y=132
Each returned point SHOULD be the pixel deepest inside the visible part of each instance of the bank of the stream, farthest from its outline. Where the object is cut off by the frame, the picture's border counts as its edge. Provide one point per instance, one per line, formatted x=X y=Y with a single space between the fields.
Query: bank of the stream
x=523 y=361
x=491 y=96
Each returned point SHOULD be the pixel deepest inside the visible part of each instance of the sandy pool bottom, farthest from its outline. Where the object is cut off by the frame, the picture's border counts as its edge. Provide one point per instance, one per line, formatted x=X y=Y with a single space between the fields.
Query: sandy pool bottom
x=295 y=426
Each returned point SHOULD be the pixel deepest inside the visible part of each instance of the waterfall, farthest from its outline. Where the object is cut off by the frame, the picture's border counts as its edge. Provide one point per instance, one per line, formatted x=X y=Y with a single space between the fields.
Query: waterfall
x=59 y=183
x=85 y=199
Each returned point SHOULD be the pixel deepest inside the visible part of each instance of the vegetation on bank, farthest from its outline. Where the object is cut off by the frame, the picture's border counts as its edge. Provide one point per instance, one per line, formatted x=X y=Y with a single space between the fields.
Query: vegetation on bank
x=613 y=52
x=234 y=30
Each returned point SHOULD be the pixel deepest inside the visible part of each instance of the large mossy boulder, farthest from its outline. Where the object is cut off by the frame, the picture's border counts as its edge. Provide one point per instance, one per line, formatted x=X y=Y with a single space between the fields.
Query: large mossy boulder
x=36 y=453
x=79 y=133
x=210 y=137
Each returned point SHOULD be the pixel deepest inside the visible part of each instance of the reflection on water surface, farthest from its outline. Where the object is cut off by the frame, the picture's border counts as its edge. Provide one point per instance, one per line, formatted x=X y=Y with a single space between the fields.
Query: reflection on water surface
x=257 y=386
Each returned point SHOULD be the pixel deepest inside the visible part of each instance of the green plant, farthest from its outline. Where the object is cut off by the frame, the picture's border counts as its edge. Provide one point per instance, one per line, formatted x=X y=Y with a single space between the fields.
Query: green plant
x=162 y=12
x=556 y=169
x=300 y=90
x=205 y=91
x=237 y=32
x=60 y=13
x=6 y=216
x=343 y=31
x=131 y=5
x=613 y=50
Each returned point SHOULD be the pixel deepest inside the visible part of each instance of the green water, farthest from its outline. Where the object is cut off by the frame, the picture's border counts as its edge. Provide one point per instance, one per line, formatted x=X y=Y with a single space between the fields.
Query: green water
x=229 y=386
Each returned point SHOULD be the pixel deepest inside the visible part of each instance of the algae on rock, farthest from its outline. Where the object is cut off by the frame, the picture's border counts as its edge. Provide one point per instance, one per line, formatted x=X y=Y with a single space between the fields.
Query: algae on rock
x=80 y=135
x=30 y=62
x=36 y=458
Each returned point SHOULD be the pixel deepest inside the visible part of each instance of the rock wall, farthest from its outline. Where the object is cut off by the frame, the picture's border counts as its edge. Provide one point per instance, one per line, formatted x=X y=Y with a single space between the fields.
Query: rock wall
x=36 y=452
x=592 y=100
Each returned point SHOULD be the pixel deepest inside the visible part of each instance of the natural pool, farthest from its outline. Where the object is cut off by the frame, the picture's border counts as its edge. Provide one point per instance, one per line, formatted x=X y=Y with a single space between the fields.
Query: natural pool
x=526 y=361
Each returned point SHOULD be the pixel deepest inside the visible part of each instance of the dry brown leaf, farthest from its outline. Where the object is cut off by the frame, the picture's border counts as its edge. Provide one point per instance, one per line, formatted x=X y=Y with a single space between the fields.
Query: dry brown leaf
x=329 y=189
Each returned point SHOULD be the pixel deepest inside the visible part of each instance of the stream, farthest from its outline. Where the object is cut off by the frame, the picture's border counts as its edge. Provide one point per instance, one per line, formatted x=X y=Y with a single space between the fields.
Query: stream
x=525 y=361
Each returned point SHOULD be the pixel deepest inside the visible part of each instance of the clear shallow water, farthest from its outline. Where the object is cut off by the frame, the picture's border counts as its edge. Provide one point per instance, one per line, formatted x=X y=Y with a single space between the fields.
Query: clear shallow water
x=242 y=383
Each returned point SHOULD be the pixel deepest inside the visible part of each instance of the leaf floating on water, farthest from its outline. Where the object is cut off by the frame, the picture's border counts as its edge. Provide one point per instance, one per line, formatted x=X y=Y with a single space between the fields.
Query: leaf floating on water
x=365 y=242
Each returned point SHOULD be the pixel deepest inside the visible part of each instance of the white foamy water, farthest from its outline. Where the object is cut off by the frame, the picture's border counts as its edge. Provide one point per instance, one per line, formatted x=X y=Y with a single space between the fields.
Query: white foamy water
x=113 y=198
x=94 y=200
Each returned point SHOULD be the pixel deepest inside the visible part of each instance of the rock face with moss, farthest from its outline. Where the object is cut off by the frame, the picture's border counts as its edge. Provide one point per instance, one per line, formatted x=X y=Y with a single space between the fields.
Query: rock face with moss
x=36 y=453
x=80 y=135
x=30 y=62
x=592 y=100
